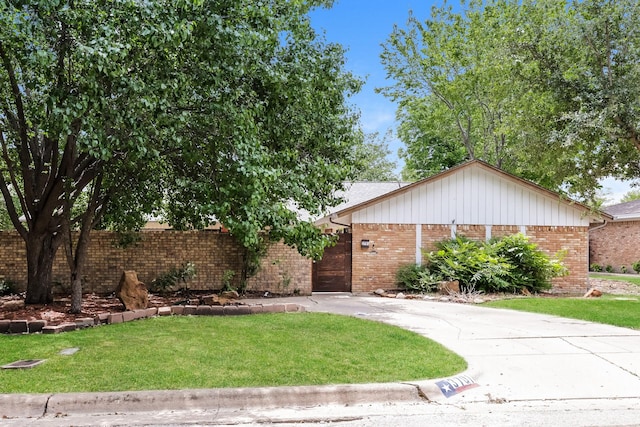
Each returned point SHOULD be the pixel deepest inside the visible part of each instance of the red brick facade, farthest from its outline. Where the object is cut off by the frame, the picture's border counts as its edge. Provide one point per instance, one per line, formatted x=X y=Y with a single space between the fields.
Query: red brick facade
x=395 y=244
x=615 y=244
x=282 y=271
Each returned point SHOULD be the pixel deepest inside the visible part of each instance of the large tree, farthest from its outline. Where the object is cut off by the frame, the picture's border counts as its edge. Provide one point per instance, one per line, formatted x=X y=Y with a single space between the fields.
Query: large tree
x=372 y=157
x=230 y=109
x=544 y=89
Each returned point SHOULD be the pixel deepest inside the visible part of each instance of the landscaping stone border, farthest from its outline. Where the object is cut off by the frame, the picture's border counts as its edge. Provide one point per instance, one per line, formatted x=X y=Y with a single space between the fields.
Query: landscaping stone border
x=15 y=327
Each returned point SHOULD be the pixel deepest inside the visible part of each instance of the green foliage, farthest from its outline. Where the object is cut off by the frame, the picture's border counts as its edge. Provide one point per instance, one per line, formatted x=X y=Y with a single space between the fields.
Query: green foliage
x=372 y=157
x=196 y=111
x=630 y=196
x=227 y=280
x=623 y=269
x=504 y=265
x=609 y=269
x=546 y=90
x=532 y=268
x=127 y=239
x=168 y=281
x=636 y=266
x=408 y=276
x=7 y=287
x=595 y=267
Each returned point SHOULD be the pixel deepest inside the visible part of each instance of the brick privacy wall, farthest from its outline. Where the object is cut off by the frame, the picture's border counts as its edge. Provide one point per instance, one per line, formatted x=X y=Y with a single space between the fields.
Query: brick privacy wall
x=615 y=244
x=375 y=267
x=573 y=240
x=395 y=246
x=283 y=269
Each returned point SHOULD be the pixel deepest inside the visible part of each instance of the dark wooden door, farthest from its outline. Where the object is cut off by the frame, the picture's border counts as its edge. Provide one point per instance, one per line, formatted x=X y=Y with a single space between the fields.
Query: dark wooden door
x=333 y=272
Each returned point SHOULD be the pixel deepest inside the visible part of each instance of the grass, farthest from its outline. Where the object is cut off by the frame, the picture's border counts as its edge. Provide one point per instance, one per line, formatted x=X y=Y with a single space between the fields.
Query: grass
x=626 y=278
x=212 y=352
x=611 y=310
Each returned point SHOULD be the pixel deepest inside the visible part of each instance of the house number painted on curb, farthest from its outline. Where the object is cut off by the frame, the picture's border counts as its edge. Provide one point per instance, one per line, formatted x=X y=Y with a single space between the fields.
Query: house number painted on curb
x=454 y=385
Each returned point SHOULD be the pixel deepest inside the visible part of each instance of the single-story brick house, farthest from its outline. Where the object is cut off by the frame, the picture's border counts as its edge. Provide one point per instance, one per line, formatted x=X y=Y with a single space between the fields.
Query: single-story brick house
x=615 y=241
x=473 y=199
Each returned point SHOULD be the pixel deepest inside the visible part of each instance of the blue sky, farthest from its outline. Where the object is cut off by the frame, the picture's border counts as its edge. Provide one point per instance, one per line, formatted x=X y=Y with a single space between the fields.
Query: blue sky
x=361 y=26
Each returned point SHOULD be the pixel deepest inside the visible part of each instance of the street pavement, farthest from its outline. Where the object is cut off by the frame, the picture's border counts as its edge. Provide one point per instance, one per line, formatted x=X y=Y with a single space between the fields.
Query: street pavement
x=524 y=369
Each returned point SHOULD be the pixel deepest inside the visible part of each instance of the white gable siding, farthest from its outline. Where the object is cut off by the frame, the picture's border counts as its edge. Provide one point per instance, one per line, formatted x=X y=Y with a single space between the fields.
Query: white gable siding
x=472 y=195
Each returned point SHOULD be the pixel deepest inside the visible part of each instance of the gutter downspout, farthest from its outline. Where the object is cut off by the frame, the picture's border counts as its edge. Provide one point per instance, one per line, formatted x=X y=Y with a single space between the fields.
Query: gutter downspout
x=598 y=227
x=331 y=220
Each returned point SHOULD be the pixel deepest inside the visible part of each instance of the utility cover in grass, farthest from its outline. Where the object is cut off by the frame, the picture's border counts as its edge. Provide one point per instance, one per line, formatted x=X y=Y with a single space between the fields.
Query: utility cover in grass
x=24 y=364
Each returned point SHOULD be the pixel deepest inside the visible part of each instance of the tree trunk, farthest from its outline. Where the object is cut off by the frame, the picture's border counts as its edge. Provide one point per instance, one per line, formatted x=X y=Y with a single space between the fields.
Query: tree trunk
x=41 y=251
x=77 y=269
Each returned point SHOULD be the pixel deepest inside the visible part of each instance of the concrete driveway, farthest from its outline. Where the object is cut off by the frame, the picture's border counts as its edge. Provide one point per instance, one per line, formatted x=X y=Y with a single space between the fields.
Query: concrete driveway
x=520 y=360
x=513 y=355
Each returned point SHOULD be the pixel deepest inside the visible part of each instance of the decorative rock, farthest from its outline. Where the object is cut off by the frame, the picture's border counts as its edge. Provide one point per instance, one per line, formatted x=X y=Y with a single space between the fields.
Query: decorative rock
x=229 y=295
x=380 y=292
x=132 y=292
x=13 y=305
x=400 y=295
x=449 y=287
x=593 y=293
x=445 y=299
x=478 y=301
x=210 y=299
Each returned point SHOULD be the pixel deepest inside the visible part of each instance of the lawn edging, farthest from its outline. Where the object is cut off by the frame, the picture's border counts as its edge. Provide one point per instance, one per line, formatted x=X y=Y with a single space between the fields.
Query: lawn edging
x=41 y=326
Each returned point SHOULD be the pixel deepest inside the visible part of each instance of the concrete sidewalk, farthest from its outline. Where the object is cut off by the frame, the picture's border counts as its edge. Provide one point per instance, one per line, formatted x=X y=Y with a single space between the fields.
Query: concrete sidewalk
x=512 y=356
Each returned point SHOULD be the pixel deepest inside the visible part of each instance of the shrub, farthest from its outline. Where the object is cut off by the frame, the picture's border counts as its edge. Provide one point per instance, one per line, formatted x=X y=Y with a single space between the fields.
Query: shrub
x=531 y=268
x=509 y=264
x=469 y=262
x=636 y=266
x=169 y=280
x=623 y=268
x=227 y=279
x=408 y=276
x=7 y=287
x=596 y=267
x=609 y=269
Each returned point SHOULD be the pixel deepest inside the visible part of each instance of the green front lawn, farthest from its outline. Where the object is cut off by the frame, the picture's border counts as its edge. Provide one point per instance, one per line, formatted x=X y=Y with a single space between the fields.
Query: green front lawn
x=617 y=310
x=211 y=352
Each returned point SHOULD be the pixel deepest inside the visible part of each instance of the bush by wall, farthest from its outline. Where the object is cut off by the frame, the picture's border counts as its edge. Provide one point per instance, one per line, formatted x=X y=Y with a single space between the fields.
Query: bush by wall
x=509 y=264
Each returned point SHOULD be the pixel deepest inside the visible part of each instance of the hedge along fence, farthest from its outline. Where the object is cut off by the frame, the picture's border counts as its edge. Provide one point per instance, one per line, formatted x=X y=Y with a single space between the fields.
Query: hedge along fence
x=283 y=270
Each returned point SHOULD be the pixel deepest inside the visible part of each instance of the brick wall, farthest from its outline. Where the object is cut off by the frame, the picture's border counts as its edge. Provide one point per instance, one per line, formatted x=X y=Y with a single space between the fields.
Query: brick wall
x=573 y=240
x=394 y=245
x=391 y=245
x=283 y=269
x=616 y=244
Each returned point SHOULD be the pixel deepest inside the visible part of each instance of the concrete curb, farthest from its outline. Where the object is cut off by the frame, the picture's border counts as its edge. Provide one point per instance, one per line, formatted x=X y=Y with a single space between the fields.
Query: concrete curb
x=40 y=405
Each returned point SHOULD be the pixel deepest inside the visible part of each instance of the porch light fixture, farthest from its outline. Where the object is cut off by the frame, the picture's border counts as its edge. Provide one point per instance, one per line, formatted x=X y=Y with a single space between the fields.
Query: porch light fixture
x=364 y=244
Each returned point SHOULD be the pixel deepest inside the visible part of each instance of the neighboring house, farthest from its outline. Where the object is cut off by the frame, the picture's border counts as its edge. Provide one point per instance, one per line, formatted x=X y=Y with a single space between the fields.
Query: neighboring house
x=475 y=200
x=616 y=241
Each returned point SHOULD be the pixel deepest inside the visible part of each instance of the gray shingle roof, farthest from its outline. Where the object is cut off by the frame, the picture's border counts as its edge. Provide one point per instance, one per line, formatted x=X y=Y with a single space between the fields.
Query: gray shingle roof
x=631 y=208
x=360 y=192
